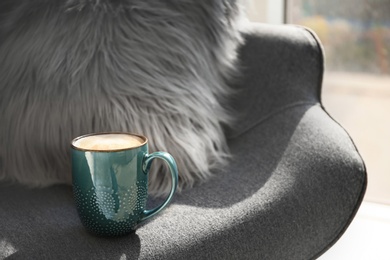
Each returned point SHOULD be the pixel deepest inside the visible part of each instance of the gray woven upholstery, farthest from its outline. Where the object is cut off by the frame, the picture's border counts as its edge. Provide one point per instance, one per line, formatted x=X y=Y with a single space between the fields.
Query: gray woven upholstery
x=293 y=185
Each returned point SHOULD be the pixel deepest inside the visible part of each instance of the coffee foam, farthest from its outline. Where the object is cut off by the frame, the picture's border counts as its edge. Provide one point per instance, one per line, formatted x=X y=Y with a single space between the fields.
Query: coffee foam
x=108 y=142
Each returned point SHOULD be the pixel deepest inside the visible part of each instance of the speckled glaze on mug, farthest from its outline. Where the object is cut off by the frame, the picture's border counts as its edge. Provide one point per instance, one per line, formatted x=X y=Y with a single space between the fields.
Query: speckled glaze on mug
x=111 y=187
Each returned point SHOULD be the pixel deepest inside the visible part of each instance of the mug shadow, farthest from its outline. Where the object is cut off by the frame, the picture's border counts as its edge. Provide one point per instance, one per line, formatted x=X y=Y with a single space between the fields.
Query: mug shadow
x=57 y=232
x=126 y=247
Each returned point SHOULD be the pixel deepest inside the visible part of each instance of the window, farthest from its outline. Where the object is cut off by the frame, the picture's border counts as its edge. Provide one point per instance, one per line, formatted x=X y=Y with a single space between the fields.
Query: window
x=266 y=11
x=356 y=87
x=355 y=33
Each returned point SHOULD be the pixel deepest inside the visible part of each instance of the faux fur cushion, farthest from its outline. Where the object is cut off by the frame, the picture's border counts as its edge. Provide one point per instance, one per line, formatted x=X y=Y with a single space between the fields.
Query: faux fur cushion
x=157 y=67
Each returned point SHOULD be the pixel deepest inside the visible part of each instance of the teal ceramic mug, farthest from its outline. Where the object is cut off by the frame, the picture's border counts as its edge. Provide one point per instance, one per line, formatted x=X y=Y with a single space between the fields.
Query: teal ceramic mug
x=110 y=181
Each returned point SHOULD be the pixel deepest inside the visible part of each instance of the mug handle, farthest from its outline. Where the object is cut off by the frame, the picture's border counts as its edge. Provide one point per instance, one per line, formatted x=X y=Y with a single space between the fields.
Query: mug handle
x=174 y=175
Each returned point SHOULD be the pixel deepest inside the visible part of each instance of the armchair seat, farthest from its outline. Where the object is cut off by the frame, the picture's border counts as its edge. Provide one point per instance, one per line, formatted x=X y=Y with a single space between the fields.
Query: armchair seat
x=292 y=187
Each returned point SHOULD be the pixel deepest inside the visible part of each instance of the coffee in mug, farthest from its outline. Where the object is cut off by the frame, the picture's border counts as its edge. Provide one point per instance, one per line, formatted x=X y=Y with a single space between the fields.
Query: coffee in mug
x=110 y=181
x=108 y=142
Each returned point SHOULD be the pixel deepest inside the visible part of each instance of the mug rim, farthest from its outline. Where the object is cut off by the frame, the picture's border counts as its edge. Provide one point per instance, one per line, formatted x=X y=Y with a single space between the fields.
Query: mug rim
x=144 y=138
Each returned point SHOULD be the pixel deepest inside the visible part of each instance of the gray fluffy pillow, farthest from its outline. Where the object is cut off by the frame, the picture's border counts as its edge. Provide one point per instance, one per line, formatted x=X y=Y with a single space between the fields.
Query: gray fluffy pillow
x=146 y=66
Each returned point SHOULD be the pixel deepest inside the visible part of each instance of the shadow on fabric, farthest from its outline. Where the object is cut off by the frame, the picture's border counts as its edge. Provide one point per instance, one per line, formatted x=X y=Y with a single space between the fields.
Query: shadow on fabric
x=57 y=231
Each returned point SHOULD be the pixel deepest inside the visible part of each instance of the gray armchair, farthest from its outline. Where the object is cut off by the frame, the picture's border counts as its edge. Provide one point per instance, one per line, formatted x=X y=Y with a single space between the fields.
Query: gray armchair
x=292 y=188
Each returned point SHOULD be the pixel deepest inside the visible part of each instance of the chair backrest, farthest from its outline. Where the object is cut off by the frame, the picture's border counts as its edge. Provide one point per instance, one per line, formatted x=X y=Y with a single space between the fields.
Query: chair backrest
x=281 y=66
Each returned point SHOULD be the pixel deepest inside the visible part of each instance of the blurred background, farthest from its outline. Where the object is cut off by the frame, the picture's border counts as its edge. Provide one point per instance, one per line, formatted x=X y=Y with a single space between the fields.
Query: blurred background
x=356 y=88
